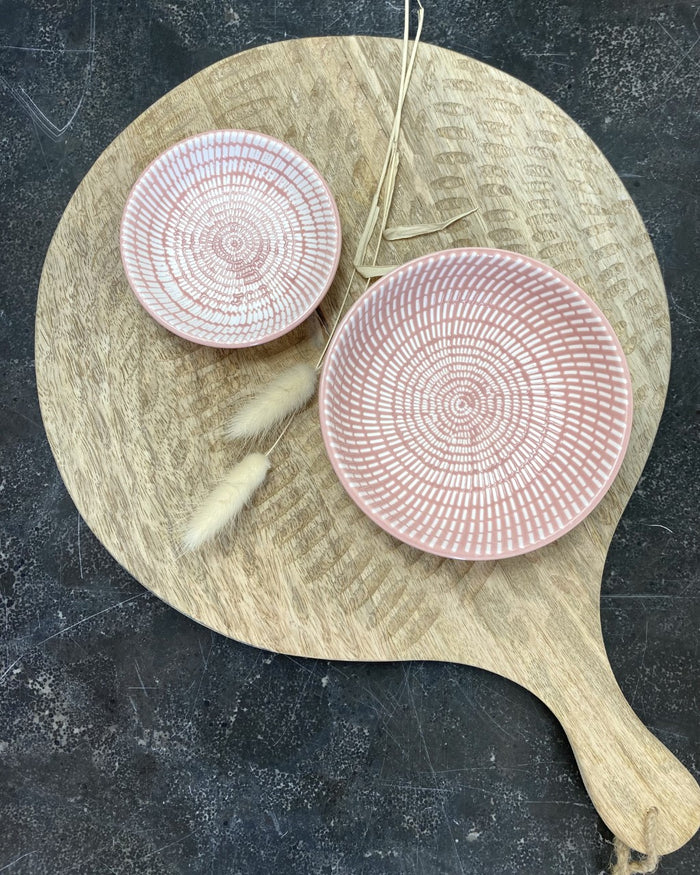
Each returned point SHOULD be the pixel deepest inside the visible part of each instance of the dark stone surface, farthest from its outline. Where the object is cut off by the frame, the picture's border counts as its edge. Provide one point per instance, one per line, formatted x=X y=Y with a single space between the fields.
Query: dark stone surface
x=132 y=739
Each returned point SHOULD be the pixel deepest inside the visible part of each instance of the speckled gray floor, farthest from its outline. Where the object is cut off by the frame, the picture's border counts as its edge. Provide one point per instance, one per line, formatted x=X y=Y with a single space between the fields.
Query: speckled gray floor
x=132 y=739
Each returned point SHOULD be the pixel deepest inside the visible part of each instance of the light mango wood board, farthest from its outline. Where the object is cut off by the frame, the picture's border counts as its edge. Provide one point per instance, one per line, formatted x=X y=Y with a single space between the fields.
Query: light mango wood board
x=133 y=413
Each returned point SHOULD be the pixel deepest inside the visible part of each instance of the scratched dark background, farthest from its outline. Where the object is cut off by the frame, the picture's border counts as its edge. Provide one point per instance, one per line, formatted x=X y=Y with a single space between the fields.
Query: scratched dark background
x=132 y=739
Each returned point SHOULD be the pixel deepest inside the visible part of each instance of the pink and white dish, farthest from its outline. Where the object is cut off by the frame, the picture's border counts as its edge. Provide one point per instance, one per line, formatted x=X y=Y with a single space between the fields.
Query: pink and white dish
x=230 y=238
x=476 y=404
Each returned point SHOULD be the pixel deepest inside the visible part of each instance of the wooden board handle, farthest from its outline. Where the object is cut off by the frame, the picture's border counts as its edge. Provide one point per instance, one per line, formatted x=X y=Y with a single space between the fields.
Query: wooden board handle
x=626 y=769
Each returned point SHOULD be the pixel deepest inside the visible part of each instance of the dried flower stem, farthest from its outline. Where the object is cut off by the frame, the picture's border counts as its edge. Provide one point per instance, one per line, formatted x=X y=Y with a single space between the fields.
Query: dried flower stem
x=404 y=232
x=337 y=319
x=279 y=437
x=388 y=173
x=372 y=271
x=389 y=162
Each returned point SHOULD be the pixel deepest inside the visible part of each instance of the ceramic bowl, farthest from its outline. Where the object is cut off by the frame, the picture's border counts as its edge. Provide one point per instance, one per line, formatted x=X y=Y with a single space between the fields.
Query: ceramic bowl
x=230 y=238
x=475 y=404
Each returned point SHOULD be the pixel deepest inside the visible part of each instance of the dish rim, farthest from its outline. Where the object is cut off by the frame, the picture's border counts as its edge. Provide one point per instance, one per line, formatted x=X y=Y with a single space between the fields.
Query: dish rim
x=275 y=334
x=376 y=517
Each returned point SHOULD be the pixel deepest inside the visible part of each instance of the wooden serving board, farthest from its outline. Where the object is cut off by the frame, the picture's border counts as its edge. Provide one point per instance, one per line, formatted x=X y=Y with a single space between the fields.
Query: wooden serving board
x=134 y=414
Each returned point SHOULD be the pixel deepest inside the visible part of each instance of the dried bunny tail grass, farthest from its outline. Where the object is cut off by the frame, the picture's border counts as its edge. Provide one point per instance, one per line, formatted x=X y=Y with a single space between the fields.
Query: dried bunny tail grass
x=274 y=402
x=225 y=501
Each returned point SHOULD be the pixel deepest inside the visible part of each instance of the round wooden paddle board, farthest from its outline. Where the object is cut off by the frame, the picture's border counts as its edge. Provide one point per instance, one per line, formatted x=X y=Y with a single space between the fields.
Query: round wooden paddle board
x=134 y=414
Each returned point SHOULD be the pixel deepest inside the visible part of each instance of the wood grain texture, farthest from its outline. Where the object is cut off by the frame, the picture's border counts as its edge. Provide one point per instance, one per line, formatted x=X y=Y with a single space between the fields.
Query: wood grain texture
x=134 y=414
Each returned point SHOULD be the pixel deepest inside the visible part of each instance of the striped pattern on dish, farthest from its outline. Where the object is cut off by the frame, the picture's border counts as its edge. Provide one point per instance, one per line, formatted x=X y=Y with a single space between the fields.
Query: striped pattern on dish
x=476 y=404
x=230 y=238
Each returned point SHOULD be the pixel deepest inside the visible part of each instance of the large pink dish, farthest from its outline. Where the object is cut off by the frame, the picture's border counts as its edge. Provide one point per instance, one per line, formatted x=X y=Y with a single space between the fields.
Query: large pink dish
x=475 y=404
x=230 y=238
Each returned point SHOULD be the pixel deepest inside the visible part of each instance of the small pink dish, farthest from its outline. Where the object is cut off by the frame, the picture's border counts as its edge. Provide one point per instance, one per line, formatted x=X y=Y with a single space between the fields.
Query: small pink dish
x=230 y=238
x=475 y=404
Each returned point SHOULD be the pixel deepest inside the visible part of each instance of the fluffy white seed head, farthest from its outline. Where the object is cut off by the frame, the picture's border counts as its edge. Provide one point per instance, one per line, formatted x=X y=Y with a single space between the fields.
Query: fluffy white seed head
x=225 y=501
x=274 y=402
